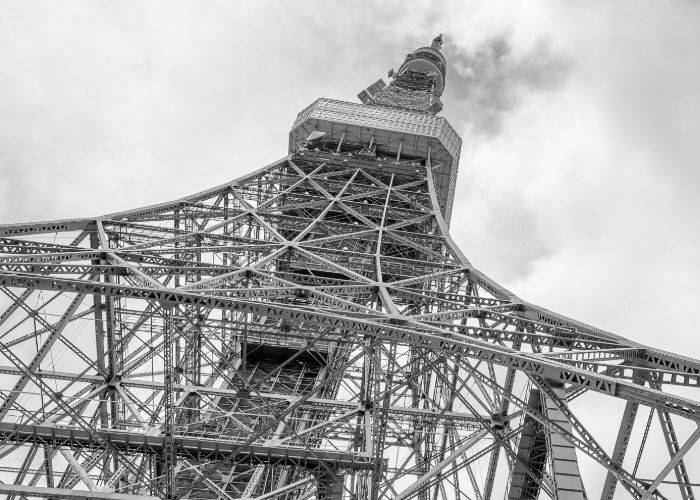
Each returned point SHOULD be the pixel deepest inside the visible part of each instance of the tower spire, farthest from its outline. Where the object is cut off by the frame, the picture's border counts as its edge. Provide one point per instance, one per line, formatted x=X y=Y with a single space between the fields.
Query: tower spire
x=416 y=86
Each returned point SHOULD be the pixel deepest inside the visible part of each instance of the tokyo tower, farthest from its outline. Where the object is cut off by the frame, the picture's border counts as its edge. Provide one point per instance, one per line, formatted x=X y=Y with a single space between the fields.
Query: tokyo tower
x=311 y=331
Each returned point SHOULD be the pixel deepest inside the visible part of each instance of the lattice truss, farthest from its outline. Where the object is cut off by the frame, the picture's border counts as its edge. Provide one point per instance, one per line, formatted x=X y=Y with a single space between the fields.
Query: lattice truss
x=311 y=331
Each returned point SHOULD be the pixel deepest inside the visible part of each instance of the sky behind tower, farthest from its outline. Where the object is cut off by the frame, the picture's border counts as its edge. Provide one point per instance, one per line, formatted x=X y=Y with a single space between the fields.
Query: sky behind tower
x=579 y=174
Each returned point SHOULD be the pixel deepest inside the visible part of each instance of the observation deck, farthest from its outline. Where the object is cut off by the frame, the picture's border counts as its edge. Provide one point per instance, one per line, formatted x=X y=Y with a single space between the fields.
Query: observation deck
x=393 y=131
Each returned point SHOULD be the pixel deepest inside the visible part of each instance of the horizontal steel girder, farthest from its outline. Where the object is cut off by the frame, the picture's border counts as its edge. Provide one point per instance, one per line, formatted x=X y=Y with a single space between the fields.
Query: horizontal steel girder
x=327 y=403
x=42 y=492
x=195 y=447
x=384 y=327
x=79 y=224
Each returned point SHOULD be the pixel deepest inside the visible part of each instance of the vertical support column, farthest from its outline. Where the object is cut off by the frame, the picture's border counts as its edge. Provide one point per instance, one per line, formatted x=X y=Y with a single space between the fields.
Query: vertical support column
x=623 y=437
x=526 y=474
x=673 y=449
x=537 y=445
x=168 y=448
x=417 y=425
x=48 y=466
x=376 y=424
x=629 y=415
x=329 y=486
x=99 y=310
x=176 y=255
x=226 y=343
x=364 y=427
x=562 y=454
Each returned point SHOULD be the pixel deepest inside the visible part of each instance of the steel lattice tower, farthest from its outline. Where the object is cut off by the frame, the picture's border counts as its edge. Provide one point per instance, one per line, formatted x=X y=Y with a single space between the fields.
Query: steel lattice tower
x=310 y=330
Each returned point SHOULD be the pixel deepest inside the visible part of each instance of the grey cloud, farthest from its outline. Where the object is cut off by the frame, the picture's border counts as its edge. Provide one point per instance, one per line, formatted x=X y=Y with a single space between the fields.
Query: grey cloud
x=487 y=85
x=488 y=81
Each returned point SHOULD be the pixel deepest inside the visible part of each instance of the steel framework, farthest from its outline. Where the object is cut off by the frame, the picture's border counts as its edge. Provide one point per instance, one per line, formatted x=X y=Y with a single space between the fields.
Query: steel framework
x=311 y=330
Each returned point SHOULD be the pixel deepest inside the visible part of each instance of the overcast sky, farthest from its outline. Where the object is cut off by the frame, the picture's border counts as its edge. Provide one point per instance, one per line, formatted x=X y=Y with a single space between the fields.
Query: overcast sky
x=579 y=179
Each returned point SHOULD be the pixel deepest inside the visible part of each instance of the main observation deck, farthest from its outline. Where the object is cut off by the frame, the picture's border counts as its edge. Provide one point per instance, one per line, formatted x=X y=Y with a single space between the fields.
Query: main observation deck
x=393 y=131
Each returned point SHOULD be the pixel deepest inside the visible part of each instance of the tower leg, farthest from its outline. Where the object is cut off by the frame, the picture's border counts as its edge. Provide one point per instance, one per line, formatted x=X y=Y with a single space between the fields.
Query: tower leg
x=528 y=470
x=562 y=454
x=537 y=445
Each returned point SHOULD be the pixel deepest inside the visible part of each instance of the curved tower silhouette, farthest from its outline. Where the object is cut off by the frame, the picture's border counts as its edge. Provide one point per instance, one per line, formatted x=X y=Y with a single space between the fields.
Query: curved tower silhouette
x=311 y=330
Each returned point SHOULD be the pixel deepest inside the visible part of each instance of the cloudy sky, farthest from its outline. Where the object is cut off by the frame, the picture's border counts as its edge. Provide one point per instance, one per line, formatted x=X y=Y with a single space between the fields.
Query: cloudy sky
x=579 y=180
